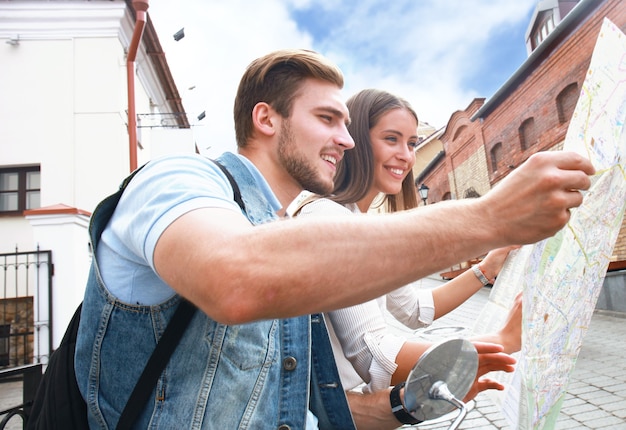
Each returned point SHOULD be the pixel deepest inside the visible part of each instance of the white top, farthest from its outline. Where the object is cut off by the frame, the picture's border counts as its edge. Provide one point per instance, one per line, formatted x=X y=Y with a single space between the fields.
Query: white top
x=364 y=348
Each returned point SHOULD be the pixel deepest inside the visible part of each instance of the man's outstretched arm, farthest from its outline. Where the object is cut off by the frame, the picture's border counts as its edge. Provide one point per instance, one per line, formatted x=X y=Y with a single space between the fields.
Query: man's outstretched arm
x=237 y=273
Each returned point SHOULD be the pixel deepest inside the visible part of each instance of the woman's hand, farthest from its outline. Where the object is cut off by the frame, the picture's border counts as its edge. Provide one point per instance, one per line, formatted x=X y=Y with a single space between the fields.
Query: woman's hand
x=490 y=359
x=494 y=260
x=510 y=334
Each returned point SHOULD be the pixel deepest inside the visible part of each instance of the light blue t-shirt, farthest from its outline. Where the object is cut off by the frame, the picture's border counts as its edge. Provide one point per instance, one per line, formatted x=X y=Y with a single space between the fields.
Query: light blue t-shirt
x=165 y=189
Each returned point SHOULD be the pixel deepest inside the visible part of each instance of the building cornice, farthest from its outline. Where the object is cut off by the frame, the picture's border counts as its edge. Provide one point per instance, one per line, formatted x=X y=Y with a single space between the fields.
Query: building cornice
x=58 y=209
x=36 y=20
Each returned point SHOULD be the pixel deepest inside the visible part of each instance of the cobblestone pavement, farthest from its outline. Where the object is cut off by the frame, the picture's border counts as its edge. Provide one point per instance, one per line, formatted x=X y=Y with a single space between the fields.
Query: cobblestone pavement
x=596 y=395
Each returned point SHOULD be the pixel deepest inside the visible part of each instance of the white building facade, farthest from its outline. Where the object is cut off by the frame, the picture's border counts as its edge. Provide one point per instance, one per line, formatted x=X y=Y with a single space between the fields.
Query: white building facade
x=64 y=136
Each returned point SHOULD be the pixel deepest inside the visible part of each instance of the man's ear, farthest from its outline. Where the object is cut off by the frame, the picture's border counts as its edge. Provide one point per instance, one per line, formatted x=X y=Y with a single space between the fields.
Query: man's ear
x=264 y=119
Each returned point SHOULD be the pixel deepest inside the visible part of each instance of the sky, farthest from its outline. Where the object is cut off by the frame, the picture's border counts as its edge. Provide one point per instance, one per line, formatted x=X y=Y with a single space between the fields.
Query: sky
x=439 y=55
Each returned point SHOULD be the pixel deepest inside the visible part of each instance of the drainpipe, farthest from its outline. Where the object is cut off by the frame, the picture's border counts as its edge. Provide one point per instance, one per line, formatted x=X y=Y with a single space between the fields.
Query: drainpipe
x=140 y=6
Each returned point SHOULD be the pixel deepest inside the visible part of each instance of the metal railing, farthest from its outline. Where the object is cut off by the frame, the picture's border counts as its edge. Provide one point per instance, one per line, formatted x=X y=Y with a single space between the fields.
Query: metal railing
x=25 y=307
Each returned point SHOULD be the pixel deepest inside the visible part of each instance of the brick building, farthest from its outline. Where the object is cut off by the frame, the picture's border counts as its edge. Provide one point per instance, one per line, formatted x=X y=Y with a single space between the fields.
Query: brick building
x=528 y=114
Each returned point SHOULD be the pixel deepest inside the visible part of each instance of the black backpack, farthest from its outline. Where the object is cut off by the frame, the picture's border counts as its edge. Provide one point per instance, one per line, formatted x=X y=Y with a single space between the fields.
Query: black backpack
x=58 y=403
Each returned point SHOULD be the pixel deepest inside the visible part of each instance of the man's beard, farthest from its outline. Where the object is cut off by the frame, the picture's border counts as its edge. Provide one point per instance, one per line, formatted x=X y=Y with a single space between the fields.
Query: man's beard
x=297 y=165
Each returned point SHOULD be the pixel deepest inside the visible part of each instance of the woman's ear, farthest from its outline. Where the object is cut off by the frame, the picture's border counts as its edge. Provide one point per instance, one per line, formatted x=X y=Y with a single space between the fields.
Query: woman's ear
x=264 y=119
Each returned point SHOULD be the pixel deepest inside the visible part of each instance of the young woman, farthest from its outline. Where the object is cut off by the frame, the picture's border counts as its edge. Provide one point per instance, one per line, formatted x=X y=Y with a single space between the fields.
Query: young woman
x=384 y=128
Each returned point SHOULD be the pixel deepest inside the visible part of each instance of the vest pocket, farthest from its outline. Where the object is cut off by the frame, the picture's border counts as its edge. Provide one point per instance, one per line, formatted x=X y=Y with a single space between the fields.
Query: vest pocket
x=245 y=346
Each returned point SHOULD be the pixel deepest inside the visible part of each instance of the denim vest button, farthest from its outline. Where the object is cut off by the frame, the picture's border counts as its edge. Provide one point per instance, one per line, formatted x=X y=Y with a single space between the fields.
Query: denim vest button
x=290 y=363
x=284 y=427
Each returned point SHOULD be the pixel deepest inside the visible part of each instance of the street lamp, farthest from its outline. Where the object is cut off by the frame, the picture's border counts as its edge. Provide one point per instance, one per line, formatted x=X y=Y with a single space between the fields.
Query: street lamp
x=423 y=190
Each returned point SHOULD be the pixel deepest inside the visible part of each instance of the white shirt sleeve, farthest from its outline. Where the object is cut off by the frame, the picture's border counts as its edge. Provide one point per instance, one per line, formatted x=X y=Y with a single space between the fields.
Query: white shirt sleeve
x=367 y=343
x=412 y=306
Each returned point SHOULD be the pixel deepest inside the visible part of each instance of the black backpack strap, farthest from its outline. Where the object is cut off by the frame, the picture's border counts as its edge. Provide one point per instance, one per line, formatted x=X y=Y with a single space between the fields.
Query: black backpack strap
x=106 y=208
x=168 y=342
x=233 y=184
x=157 y=362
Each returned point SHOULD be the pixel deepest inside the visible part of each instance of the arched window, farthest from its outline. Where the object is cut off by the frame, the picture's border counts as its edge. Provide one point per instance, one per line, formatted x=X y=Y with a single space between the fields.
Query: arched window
x=527 y=134
x=566 y=102
x=496 y=156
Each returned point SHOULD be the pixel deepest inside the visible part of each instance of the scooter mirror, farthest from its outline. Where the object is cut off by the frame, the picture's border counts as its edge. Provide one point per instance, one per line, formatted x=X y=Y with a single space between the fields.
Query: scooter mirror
x=452 y=364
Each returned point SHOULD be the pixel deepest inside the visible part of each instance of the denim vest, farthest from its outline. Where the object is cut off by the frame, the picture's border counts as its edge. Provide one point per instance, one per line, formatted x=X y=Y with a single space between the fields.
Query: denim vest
x=248 y=376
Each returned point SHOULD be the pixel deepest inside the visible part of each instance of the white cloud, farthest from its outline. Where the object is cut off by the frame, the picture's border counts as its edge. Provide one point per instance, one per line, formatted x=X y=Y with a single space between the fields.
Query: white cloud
x=421 y=50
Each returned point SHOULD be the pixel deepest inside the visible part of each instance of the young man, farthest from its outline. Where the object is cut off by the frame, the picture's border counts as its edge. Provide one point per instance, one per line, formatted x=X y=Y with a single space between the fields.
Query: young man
x=254 y=358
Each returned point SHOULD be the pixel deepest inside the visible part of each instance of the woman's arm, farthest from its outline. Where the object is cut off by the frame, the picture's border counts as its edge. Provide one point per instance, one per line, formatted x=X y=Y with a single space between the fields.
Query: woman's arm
x=418 y=307
x=453 y=293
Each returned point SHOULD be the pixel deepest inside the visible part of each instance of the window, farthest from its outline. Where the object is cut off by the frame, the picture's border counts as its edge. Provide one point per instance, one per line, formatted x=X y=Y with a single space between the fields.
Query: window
x=566 y=102
x=496 y=156
x=527 y=134
x=19 y=189
x=544 y=27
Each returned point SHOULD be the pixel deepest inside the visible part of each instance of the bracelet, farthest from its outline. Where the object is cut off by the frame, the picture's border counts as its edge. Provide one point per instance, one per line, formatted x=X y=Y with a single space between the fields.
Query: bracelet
x=480 y=275
x=398 y=409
